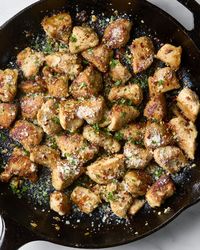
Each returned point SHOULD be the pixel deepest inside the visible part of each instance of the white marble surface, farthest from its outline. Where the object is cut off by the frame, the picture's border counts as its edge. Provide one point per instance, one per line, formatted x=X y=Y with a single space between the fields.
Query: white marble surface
x=184 y=232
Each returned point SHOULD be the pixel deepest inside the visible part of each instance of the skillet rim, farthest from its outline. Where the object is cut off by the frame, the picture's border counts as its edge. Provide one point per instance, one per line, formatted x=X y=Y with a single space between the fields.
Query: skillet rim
x=173 y=217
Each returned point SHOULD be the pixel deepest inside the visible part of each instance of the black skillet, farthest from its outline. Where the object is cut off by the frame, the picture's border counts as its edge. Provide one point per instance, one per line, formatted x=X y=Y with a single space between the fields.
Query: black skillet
x=17 y=213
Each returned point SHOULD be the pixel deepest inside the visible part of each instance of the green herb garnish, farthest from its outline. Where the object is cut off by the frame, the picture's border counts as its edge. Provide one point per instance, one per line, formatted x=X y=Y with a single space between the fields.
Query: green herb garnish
x=113 y=63
x=73 y=39
x=82 y=85
x=96 y=127
x=118 y=136
x=56 y=120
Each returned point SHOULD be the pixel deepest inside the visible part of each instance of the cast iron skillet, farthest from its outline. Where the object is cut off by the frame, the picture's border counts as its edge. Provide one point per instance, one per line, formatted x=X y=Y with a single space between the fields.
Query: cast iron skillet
x=17 y=214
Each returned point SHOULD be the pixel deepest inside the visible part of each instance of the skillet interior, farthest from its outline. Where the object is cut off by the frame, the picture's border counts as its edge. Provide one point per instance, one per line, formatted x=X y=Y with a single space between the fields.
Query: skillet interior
x=86 y=231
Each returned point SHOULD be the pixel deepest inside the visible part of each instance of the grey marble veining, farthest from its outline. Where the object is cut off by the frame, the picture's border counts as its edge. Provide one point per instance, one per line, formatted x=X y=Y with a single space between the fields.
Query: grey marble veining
x=184 y=232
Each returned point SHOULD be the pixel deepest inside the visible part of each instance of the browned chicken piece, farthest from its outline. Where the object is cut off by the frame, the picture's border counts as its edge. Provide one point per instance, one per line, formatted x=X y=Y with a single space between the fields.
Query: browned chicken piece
x=106 y=192
x=105 y=121
x=60 y=203
x=99 y=56
x=8 y=84
x=156 y=108
x=186 y=133
x=137 y=182
x=101 y=139
x=76 y=146
x=20 y=165
x=33 y=86
x=188 y=102
x=137 y=157
x=58 y=26
x=64 y=63
x=45 y=156
x=170 y=55
x=92 y=110
x=31 y=104
x=85 y=199
x=142 y=50
x=57 y=85
x=65 y=173
x=162 y=189
x=121 y=203
x=47 y=117
x=28 y=134
x=82 y=38
x=118 y=72
x=134 y=132
x=30 y=62
x=68 y=115
x=170 y=158
x=136 y=206
x=117 y=33
x=121 y=115
x=132 y=92
x=163 y=80
x=107 y=168
x=156 y=135
x=87 y=84
x=8 y=113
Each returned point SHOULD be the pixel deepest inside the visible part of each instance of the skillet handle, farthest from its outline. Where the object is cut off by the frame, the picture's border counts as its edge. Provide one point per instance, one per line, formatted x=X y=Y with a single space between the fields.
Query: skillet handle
x=14 y=236
x=194 y=7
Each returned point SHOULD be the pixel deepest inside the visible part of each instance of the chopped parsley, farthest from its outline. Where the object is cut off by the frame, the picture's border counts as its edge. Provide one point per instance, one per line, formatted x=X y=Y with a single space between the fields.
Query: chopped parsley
x=160 y=82
x=137 y=142
x=158 y=172
x=73 y=39
x=82 y=85
x=96 y=127
x=117 y=83
x=111 y=196
x=26 y=152
x=118 y=136
x=125 y=101
x=90 y=51
x=85 y=62
x=48 y=47
x=113 y=63
x=123 y=114
x=56 y=120
x=3 y=137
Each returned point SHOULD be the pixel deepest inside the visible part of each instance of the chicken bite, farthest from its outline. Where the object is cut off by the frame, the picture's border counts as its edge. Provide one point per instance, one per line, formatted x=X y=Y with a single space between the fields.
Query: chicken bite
x=137 y=182
x=8 y=113
x=121 y=204
x=134 y=132
x=137 y=157
x=65 y=173
x=121 y=115
x=170 y=55
x=101 y=139
x=99 y=56
x=136 y=206
x=156 y=135
x=170 y=158
x=142 y=50
x=163 y=80
x=20 y=165
x=82 y=38
x=87 y=84
x=8 y=84
x=58 y=26
x=60 y=203
x=117 y=33
x=132 y=92
x=186 y=133
x=30 y=62
x=30 y=105
x=68 y=115
x=85 y=199
x=188 y=102
x=33 y=86
x=162 y=189
x=156 y=108
x=92 y=110
x=107 y=168
x=57 y=85
x=28 y=134
x=64 y=63
x=47 y=117
x=45 y=156
x=76 y=146
x=118 y=72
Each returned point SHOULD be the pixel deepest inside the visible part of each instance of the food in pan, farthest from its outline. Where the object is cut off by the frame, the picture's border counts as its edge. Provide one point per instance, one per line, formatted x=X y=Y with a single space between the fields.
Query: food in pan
x=117 y=134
